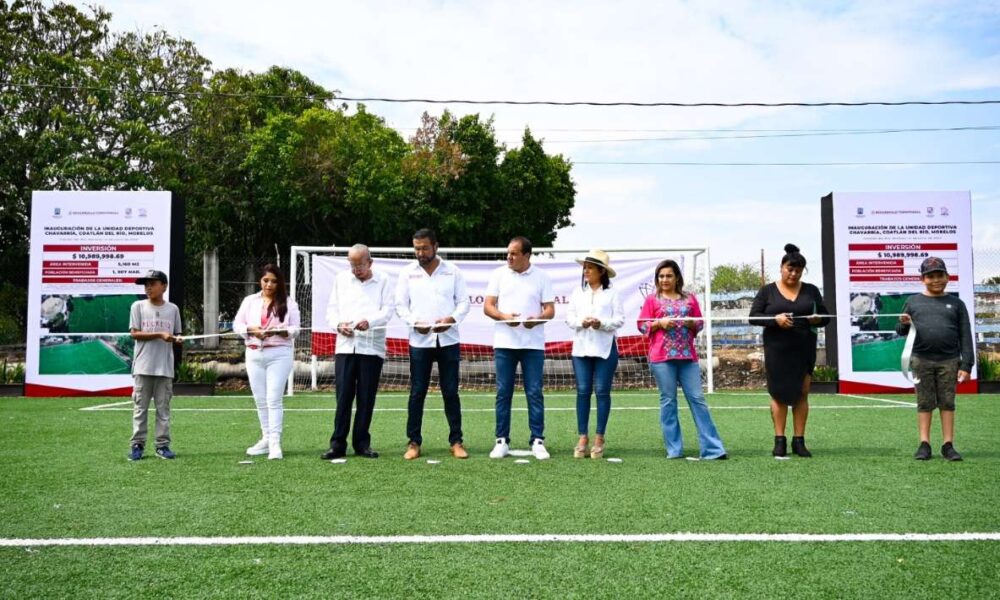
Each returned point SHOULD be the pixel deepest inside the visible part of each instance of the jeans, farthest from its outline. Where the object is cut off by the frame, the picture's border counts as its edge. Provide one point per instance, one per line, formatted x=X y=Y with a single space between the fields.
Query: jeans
x=268 y=371
x=594 y=374
x=688 y=374
x=421 y=362
x=532 y=362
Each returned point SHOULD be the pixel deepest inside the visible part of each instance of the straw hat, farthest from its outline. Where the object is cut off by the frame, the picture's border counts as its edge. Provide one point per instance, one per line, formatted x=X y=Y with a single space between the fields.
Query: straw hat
x=599 y=258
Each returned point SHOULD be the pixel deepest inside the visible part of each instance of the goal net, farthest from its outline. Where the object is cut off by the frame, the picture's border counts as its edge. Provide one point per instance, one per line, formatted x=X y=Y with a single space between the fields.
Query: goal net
x=313 y=270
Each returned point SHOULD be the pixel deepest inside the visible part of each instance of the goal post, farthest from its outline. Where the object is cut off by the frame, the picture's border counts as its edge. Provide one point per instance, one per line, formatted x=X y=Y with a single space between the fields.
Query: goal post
x=312 y=270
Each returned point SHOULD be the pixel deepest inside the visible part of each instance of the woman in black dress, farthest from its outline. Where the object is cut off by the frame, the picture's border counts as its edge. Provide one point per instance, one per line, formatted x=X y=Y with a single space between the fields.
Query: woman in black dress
x=788 y=311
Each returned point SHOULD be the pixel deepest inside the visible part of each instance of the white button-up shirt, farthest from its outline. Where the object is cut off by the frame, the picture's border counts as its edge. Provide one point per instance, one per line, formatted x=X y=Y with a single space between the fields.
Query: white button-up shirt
x=249 y=315
x=426 y=298
x=352 y=301
x=605 y=306
x=521 y=293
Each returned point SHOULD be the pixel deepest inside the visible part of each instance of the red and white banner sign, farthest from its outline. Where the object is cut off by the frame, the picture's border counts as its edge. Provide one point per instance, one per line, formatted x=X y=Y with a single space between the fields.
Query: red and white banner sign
x=634 y=281
x=87 y=249
x=880 y=239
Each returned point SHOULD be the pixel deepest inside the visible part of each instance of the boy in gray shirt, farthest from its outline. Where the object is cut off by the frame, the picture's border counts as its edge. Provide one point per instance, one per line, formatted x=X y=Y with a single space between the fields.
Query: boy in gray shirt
x=155 y=325
x=942 y=354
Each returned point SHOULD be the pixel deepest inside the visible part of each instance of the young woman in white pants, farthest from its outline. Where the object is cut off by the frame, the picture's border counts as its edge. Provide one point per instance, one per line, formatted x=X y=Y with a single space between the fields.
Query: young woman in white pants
x=268 y=321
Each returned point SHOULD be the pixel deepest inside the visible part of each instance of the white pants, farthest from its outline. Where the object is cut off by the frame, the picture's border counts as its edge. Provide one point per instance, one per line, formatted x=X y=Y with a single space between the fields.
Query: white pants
x=268 y=371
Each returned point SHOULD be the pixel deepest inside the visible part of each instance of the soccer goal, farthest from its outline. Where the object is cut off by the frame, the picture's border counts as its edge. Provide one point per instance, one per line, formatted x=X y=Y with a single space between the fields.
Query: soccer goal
x=313 y=270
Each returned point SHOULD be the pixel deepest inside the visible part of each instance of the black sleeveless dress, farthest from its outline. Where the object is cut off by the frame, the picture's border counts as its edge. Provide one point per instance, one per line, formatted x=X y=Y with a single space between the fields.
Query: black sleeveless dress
x=789 y=354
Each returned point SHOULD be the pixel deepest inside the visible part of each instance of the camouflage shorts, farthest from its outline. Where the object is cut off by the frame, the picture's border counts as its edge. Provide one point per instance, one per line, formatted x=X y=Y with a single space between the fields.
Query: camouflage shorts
x=938 y=379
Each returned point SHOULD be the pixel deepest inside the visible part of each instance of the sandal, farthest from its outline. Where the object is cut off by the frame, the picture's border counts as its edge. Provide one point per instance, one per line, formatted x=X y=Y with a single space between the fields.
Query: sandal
x=580 y=451
x=597 y=451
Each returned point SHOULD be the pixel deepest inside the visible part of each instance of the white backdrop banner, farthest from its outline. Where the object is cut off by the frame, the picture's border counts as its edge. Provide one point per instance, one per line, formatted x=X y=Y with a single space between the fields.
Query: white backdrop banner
x=87 y=249
x=634 y=281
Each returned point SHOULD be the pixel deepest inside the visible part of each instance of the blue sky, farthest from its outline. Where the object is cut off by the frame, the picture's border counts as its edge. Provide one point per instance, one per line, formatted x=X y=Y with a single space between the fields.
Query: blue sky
x=725 y=51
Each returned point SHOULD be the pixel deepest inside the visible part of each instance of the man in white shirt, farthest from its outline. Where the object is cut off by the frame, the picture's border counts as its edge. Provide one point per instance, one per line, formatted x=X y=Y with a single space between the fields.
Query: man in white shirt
x=359 y=308
x=431 y=298
x=520 y=297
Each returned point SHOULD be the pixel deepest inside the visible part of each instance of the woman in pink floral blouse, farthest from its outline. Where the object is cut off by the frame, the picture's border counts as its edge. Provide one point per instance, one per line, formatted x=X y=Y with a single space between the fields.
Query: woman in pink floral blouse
x=671 y=318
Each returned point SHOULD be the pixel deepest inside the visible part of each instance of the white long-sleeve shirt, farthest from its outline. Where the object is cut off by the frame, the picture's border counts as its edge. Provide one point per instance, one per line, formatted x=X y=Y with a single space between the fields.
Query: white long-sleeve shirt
x=426 y=298
x=604 y=305
x=249 y=315
x=352 y=301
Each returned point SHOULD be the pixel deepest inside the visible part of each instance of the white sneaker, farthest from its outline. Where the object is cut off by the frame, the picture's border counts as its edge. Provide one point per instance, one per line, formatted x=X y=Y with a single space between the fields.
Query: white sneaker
x=275 y=452
x=258 y=448
x=538 y=449
x=501 y=449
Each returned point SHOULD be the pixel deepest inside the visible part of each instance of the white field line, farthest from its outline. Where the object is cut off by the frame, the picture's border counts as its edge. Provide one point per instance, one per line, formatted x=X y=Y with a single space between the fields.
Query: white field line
x=113 y=408
x=886 y=400
x=311 y=540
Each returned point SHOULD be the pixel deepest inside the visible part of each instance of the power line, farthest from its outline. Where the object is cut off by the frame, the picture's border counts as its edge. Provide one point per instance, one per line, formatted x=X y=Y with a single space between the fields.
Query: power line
x=670 y=104
x=789 y=164
x=844 y=132
x=169 y=92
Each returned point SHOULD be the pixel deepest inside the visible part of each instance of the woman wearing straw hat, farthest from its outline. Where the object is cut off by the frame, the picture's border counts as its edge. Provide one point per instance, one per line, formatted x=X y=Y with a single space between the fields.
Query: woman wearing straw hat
x=595 y=313
x=671 y=318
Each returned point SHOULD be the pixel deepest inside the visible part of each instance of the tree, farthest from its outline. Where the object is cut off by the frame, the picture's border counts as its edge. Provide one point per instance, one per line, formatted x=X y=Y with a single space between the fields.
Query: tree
x=220 y=197
x=735 y=278
x=324 y=177
x=538 y=194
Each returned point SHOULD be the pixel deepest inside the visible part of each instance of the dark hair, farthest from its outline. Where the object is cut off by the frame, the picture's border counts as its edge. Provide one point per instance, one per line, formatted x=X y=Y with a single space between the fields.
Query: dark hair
x=524 y=242
x=279 y=304
x=792 y=257
x=605 y=280
x=679 y=286
x=426 y=233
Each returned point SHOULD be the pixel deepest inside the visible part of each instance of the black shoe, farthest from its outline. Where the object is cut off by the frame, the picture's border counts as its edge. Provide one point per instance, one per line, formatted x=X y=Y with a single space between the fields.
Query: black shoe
x=948 y=451
x=923 y=452
x=722 y=457
x=332 y=454
x=780 y=446
x=799 y=447
x=366 y=453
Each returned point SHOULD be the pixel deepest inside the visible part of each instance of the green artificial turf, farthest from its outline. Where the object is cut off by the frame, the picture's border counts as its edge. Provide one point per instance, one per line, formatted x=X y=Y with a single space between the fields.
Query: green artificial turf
x=90 y=357
x=877 y=356
x=65 y=476
x=101 y=314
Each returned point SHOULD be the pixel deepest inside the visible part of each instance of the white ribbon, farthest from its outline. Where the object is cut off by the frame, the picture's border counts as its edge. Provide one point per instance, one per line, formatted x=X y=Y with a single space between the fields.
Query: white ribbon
x=904 y=359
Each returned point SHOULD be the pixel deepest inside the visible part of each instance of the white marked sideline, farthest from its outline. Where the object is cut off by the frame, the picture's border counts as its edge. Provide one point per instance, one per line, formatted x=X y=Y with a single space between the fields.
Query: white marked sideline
x=307 y=540
x=119 y=408
x=886 y=400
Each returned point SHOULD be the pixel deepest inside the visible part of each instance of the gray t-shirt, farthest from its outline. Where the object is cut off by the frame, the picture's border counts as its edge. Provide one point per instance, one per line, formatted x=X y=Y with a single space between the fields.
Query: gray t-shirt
x=154 y=357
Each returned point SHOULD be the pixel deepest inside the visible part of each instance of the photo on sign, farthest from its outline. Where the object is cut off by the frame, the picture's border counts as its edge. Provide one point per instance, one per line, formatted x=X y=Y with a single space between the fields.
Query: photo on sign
x=85 y=355
x=86 y=313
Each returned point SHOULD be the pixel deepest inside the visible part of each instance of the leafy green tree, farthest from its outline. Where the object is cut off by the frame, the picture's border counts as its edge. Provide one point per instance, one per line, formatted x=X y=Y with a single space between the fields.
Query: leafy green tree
x=324 y=177
x=538 y=194
x=220 y=195
x=735 y=278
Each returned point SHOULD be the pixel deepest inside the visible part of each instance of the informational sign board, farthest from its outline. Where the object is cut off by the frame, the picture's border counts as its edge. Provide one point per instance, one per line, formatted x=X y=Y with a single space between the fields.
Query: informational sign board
x=87 y=249
x=877 y=241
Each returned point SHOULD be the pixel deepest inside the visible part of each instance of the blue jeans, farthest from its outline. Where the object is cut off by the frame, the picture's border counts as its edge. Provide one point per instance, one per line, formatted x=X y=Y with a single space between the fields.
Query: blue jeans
x=686 y=372
x=594 y=374
x=531 y=369
x=421 y=362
